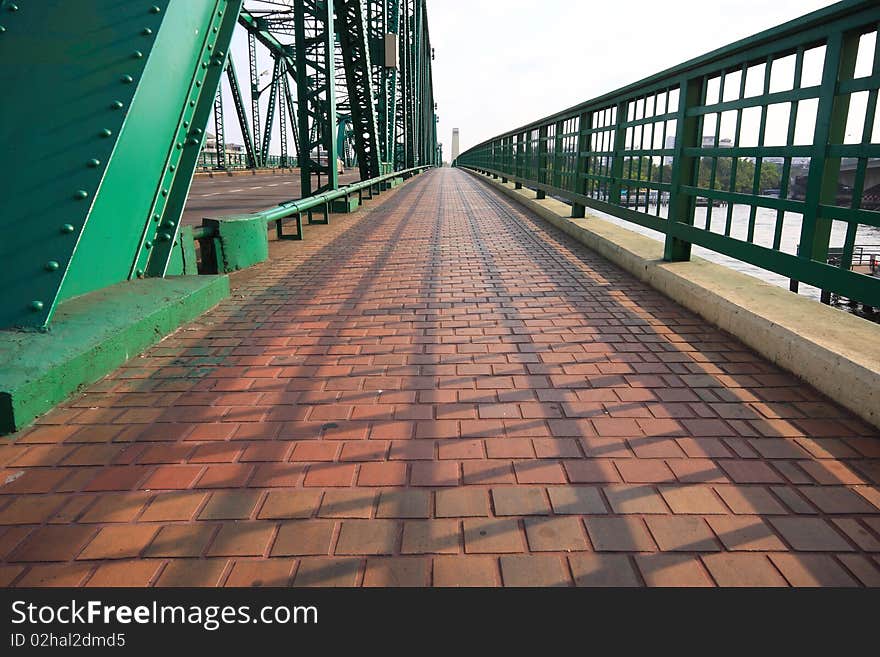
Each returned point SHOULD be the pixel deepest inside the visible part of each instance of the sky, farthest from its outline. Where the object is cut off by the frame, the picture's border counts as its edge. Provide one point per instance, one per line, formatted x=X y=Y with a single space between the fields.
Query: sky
x=503 y=63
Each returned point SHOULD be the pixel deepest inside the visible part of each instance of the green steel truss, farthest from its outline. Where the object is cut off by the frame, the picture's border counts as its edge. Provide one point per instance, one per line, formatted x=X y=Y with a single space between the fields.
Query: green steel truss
x=316 y=93
x=105 y=131
x=354 y=38
x=766 y=123
x=99 y=138
x=419 y=122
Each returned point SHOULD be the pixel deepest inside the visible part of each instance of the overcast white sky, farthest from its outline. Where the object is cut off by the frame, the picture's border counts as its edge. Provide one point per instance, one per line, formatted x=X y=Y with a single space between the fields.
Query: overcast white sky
x=503 y=63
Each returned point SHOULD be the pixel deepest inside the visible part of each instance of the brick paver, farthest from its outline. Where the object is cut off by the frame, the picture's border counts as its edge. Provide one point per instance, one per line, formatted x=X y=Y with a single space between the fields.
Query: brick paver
x=442 y=390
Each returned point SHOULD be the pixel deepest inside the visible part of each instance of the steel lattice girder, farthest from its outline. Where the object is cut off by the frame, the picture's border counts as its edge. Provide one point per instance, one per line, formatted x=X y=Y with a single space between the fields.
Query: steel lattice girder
x=93 y=195
x=316 y=93
x=389 y=106
x=354 y=37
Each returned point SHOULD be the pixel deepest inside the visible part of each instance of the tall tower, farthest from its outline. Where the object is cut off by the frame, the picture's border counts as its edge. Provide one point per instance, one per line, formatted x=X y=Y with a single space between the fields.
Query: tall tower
x=454 y=144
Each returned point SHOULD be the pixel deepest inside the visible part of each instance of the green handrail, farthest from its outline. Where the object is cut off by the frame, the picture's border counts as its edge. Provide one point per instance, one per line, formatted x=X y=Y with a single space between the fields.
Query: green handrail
x=762 y=124
x=296 y=207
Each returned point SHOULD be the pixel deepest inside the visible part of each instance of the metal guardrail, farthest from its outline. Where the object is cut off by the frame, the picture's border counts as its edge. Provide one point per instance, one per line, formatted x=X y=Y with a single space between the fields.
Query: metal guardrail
x=762 y=123
x=208 y=160
x=298 y=207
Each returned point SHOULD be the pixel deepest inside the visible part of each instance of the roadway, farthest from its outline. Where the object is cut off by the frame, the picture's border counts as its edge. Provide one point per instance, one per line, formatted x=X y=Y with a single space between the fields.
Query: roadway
x=224 y=195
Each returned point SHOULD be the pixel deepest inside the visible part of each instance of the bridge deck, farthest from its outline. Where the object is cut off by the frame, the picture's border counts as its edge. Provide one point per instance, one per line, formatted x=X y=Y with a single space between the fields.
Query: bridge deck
x=443 y=390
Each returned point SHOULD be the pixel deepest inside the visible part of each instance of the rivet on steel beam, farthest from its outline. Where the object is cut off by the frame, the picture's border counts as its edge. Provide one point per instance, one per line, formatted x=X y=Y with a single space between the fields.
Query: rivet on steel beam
x=172 y=168
x=81 y=194
x=117 y=104
x=168 y=224
x=198 y=83
x=148 y=245
x=214 y=29
x=67 y=228
x=197 y=131
x=126 y=79
x=155 y=9
x=210 y=46
x=106 y=132
x=12 y=7
x=155 y=217
x=94 y=163
x=163 y=237
x=147 y=31
x=2 y=29
x=204 y=64
x=52 y=265
x=178 y=145
x=36 y=306
x=192 y=141
x=186 y=124
x=137 y=54
x=139 y=273
x=192 y=103
x=164 y=192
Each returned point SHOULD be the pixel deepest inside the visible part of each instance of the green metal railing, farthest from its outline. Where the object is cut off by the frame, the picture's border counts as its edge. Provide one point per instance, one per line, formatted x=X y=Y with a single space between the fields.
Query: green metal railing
x=295 y=209
x=208 y=160
x=754 y=132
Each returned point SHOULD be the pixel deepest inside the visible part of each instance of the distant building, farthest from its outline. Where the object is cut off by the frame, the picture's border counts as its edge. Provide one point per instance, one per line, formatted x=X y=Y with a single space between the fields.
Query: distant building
x=455 y=147
x=708 y=142
x=210 y=145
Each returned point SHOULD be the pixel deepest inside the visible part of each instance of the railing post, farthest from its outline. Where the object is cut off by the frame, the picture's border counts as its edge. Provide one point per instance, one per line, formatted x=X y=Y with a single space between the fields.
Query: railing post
x=542 y=160
x=529 y=158
x=841 y=52
x=520 y=157
x=618 y=153
x=687 y=135
x=578 y=210
x=557 y=155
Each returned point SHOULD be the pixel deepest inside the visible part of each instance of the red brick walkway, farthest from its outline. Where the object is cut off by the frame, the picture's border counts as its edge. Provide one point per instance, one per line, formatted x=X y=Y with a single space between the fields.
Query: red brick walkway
x=443 y=390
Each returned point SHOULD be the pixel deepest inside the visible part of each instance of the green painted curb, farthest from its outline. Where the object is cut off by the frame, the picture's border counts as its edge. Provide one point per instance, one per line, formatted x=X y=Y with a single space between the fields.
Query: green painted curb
x=91 y=336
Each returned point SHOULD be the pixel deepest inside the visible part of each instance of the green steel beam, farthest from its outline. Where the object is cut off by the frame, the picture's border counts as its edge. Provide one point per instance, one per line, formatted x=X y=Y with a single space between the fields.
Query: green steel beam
x=316 y=93
x=354 y=32
x=241 y=114
x=89 y=190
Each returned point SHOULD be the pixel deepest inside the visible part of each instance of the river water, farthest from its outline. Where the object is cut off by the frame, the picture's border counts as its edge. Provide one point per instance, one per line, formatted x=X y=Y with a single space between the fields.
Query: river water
x=765 y=225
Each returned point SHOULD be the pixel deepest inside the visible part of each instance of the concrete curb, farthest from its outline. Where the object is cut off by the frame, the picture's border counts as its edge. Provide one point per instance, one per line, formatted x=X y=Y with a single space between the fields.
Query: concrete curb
x=835 y=352
x=91 y=336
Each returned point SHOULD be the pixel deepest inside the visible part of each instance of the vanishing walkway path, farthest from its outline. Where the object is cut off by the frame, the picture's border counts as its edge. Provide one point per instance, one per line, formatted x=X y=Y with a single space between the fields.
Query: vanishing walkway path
x=441 y=389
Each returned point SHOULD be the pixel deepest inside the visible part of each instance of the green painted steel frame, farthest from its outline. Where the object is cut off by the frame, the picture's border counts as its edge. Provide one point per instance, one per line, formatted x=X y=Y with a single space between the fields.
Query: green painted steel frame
x=613 y=153
x=316 y=92
x=354 y=30
x=92 y=195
